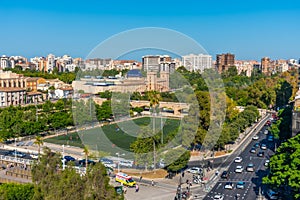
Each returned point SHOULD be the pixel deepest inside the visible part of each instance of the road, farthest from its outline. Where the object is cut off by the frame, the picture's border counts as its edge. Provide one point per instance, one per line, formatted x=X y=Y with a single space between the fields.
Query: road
x=252 y=179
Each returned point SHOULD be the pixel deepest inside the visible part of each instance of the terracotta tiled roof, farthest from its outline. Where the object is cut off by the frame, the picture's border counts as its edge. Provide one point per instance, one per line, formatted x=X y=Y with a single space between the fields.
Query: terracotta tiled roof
x=11 y=89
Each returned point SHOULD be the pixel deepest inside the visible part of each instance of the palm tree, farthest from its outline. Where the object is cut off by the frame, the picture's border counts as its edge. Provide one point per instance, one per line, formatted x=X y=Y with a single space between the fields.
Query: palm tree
x=39 y=141
x=86 y=154
x=154 y=97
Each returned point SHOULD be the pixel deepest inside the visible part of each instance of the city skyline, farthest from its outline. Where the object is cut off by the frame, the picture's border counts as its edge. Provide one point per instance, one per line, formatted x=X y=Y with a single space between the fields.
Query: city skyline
x=250 y=31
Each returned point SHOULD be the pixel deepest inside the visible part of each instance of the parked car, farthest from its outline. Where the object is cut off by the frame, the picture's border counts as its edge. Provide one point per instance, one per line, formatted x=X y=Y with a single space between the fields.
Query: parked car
x=126 y=163
x=225 y=174
x=261 y=154
x=253 y=150
x=82 y=162
x=266 y=132
x=263 y=146
x=270 y=138
x=16 y=153
x=69 y=159
x=219 y=197
x=240 y=185
x=195 y=170
x=107 y=162
x=250 y=167
x=239 y=169
x=272 y=194
x=229 y=185
x=256 y=137
x=266 y=163
x=34 y=155
x=256 y=145
x=238 y=160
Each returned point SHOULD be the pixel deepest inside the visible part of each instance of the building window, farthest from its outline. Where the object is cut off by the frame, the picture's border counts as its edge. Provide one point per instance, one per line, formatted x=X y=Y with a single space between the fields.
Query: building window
x=298 y=125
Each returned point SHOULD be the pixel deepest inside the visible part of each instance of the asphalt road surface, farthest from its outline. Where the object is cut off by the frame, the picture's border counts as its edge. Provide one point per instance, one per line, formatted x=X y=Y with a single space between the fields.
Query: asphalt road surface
x=252 y=179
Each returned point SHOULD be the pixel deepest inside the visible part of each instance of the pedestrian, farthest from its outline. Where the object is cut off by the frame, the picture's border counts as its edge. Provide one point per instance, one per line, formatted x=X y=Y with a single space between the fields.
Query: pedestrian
x=152 y=183
x=182 y=174
x=125 y=190
x=141 y=178
x=136 y=188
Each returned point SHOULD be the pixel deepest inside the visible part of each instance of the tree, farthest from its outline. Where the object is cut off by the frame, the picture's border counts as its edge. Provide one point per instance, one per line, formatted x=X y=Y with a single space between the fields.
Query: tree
x=51 y=182
x=86 y=154
x=284 y=168
x=14 y=191
x=177 y=159
x=154 y=98
x=39 y=141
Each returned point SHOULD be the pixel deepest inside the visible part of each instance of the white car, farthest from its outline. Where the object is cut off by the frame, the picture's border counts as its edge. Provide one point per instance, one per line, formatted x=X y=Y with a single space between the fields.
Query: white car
x=266 y=132
x=126 y=163
x=255 y=137
x=238 y=160
x=239 y=169
x=195 y=170
x=219 y=197
x=267 y=163
x=229 y=186
x=34 y=155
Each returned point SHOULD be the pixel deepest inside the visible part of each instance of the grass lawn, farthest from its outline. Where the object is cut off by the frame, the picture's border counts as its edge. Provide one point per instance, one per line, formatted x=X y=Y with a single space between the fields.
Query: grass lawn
x=114 y=138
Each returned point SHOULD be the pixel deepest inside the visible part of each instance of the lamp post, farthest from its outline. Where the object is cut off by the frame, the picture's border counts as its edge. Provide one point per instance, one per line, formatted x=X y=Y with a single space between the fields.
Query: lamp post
x=63 y=155
x=118 y=154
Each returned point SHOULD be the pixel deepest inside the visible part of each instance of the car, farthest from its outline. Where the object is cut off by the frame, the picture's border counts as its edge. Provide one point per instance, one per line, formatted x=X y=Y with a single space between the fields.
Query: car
x=34 y=155
x=256 y=145
x=219 y=197
x=239 y=169
x=107 y=162
x=16 y=153
x=240 y=185
x=270 y=138
x=69 y=159
x=250 y=167
x=253 y=150
x=272 y=194
x=256 y=137
x=225 y=174
x=83 y=161
x=263 y=146
x=194 y=170
x=126 y=163
x=266 y=163
x=261 y=154
x=229 y=185
x=266 y=132
x=238 y=160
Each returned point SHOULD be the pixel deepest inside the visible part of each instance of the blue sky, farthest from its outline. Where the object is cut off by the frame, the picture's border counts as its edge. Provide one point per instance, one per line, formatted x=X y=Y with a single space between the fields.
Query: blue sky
x=250 y=29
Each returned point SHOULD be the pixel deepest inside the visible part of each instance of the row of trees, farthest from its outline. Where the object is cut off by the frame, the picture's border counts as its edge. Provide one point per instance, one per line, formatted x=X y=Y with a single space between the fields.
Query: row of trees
x=284 y=169
x=51 y=182
x=23 y=121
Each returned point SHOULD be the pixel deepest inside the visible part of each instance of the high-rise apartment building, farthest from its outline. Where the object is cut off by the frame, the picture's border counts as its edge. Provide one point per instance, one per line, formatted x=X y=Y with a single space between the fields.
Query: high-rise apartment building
x=224 y=61
x=199 y=62
x=152 y=63
x=265 y=65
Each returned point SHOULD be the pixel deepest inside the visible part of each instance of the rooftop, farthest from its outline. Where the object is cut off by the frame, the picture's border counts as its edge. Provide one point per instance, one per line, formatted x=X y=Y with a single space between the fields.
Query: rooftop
x=11 y=89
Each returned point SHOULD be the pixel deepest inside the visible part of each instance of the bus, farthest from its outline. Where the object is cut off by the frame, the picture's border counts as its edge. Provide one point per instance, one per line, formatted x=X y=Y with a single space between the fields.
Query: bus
x=125 y=179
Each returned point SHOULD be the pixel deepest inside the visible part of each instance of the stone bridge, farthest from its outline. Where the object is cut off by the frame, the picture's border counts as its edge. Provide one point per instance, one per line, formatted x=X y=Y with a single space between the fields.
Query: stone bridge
x=175 y=106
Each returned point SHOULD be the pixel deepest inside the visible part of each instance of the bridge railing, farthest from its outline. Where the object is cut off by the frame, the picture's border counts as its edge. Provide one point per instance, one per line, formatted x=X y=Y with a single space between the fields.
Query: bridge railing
x=16 y=160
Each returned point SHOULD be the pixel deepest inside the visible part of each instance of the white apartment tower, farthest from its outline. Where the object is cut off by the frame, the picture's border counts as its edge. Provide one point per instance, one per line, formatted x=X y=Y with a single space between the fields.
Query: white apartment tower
x=199 y=62
x=50 y=62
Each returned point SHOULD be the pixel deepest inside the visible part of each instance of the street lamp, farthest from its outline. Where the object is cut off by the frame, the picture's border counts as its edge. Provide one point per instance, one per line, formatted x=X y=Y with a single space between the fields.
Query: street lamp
x=118 y=154
x=63 y=155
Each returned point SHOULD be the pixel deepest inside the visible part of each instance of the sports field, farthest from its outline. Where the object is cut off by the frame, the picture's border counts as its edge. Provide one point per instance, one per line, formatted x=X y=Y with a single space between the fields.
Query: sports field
x=115 y=137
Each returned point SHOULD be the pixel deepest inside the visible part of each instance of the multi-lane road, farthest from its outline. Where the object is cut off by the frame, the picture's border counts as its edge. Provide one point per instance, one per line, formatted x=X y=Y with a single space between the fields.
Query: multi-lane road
x=252 y=180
